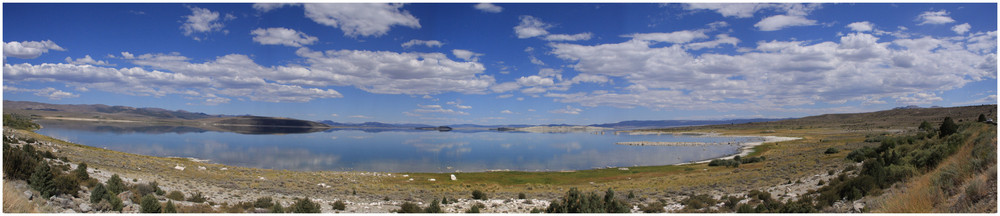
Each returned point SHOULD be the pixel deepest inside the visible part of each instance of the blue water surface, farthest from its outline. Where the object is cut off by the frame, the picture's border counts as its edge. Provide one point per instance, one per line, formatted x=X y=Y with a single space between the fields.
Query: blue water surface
x=403 y=150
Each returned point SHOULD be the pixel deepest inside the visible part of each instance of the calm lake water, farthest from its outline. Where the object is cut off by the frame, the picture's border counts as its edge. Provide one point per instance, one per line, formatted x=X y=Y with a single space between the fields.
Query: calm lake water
x=397 y=151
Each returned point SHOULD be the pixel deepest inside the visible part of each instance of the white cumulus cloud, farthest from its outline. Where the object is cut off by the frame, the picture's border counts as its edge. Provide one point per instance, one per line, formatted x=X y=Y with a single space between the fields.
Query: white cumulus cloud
x=466 y=55
x=934 y=17
x=861 y=26
x=778 y=22
x=29 y=49
x=566 y=37
x=51 y=93
x=202 y=20
x=672 y=37
x=428 y=43
x=86 y=60
x=282 y=36
x=361 y=19
x=961 y=28
x=531 y=27
x=859 y=67
x=489 y=8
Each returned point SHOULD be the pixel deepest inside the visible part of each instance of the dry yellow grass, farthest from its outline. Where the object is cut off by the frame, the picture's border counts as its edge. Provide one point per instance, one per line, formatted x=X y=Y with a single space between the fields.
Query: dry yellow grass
x=15 y=202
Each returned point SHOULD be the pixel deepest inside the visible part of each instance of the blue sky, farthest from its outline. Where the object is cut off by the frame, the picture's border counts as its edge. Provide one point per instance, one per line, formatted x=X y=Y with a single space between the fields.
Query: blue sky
x=503 y=63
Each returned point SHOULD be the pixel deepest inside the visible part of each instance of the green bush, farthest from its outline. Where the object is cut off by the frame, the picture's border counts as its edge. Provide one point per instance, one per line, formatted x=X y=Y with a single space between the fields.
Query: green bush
x=149 y=204
x=478 y=195
x=831 y=151
x=19 y=162
x=861 y=154
x=434 y=207
x=926 y=126
x=263 y=202
x=276 y=208
x=19 y=121
x=339 y=205
x=43 y=181
x=576 y=202
x=475 y=208
x=170 y=207
x=115 y=185
x=98 y=193
x=305 y=206
x=175 y=195
x=724 y=162
x=66 y=184
x=521 y=196
x=409 y=207
x=116 y=203
x=81 y=172
x=699 y=201
x=143 y=189
x=196 y=198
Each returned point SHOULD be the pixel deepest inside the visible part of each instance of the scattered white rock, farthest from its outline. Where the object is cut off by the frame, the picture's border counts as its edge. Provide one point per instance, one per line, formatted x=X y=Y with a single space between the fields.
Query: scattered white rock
x=411 y=179
x=179 y=167
x=261 y=177
x=623 y=168
x=202 y=168
x=431 y=179
x=404 y=176
x=223 y=168
x=85 y=207
x=453 y=177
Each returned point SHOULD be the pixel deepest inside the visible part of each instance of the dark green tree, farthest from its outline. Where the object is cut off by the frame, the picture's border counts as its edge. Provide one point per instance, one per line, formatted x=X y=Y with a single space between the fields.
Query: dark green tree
x=66 y=184
x=170 y=207
x=339 y=205
x=81 y=172
x=473 y=209
x=98 y=193
x=116 y=203
x=478 y=194
x=408 y=207
x=263 y=202
x=305 y=206
x=115 y=185
x=276 y=208
x=982 y=118
x=434 y=207
x=948 y=127
x=42 y=181
x=19 y=162
x=149 y=204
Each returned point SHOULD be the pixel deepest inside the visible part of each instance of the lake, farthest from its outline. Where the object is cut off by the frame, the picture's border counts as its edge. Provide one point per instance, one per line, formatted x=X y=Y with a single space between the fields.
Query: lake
x=395 y=150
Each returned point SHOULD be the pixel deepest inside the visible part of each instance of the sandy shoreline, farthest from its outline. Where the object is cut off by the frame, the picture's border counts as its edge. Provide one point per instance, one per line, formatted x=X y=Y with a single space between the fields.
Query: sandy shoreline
x=746 y=147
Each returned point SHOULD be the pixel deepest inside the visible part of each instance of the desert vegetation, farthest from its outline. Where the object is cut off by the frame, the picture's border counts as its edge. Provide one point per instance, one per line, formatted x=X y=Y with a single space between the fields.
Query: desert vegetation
x=837 y=167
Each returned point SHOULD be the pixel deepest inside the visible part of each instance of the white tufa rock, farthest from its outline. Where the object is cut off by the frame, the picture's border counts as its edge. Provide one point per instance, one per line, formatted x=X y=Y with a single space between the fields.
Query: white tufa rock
x=261 y=177
x=404 y=176
x=223 y=168
x=179 y=167
x=202 y=168
x=411 y=179
x=453 y=177
x=431 y=179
